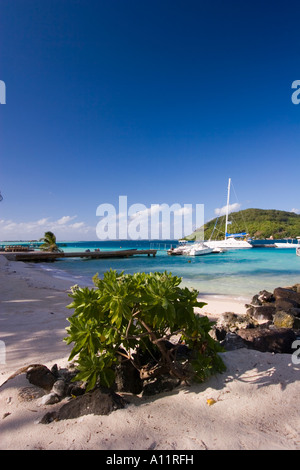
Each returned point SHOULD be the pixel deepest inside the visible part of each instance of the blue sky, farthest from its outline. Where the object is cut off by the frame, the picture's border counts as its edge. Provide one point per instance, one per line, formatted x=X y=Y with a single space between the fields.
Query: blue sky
x=161 y=101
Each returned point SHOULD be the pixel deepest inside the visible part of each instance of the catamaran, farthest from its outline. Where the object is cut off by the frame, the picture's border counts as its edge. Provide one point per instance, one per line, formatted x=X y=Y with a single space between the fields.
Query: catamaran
x=231 y=239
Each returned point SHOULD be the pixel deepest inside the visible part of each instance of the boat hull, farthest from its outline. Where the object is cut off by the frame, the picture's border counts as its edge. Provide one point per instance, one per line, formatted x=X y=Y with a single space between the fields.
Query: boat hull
x=285 y=245
x=203 y=251
x=196 y=249
x=229 y=244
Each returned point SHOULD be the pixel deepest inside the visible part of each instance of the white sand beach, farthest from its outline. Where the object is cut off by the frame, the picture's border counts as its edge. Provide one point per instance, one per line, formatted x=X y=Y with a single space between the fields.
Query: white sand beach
x=257 y=399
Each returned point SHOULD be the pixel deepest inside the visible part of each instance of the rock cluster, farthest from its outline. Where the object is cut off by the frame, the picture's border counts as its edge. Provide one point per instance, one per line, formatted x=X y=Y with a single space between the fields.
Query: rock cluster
x=97 y=402
x=57 y=385
x=282 y=307
x=271 y=323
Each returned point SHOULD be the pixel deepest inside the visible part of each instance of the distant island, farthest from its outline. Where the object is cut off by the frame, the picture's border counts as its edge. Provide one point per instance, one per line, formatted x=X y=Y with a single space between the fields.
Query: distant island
x=257 y=223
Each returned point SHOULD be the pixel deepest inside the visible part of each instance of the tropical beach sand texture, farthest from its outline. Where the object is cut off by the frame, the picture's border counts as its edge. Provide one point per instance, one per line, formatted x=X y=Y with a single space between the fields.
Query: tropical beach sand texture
x=257 y=399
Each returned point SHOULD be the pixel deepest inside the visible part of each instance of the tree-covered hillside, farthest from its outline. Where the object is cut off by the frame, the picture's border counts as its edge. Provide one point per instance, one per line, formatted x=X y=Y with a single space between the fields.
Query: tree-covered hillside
x=257 y=223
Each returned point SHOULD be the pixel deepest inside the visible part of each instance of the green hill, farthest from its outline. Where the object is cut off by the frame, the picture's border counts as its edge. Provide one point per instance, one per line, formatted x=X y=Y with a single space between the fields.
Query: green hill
x=257 y=223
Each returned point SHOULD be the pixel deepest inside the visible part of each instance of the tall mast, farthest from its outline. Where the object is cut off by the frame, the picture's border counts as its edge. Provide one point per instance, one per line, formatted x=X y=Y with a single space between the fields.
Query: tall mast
x=227 y=208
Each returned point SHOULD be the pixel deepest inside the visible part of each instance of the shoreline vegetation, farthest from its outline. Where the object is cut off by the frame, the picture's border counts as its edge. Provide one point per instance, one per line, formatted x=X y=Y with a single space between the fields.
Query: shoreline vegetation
x=254 y=404
x=257 y=223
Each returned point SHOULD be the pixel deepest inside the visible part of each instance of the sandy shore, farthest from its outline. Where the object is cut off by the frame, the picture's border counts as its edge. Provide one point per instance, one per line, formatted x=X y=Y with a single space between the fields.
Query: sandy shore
x=257 y=399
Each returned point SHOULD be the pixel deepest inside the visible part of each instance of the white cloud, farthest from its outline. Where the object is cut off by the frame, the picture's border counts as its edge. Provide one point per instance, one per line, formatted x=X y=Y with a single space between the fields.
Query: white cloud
x=176 y=209
x=63 y=228
x=297 y=211
x=231 y=208
x=65 y=219
x=77 y=225
x=42 y=221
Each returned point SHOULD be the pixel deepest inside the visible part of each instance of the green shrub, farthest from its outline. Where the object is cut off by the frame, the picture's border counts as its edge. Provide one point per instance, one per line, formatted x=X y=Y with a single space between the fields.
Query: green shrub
x=141 y=312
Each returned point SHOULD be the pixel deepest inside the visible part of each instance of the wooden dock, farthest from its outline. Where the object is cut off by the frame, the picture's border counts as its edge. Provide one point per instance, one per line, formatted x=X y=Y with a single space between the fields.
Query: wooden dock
x=38 y=256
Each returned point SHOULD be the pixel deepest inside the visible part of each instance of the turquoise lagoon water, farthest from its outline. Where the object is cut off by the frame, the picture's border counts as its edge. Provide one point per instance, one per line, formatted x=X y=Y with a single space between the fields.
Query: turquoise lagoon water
x=239 y=273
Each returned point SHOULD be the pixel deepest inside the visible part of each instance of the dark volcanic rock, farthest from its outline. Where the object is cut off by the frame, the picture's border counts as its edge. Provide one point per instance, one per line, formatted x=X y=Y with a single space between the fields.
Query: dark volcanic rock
x=96 y=402
x=231 y=322
x=127 y=378
x=265 y=296
x=41 y=376
x=75 y=390
x=262 y=297
x=60 y=387
x=262 y=312
x=233 y=341
x=295 y=311
x=277 y=340
x=287 y=294
x=255 y=301
x=285 y=304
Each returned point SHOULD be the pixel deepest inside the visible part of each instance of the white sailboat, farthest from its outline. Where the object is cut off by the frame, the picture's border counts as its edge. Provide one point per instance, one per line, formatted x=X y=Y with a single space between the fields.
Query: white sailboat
x=230 y=241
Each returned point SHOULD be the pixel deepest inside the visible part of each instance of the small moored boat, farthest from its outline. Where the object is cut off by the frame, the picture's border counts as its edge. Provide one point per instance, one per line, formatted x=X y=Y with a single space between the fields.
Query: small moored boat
x=289 y=243
x=194 y=249
x=199 y=249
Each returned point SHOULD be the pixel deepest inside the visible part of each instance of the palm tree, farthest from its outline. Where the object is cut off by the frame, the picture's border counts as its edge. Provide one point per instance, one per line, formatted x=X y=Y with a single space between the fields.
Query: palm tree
x=49 y=244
